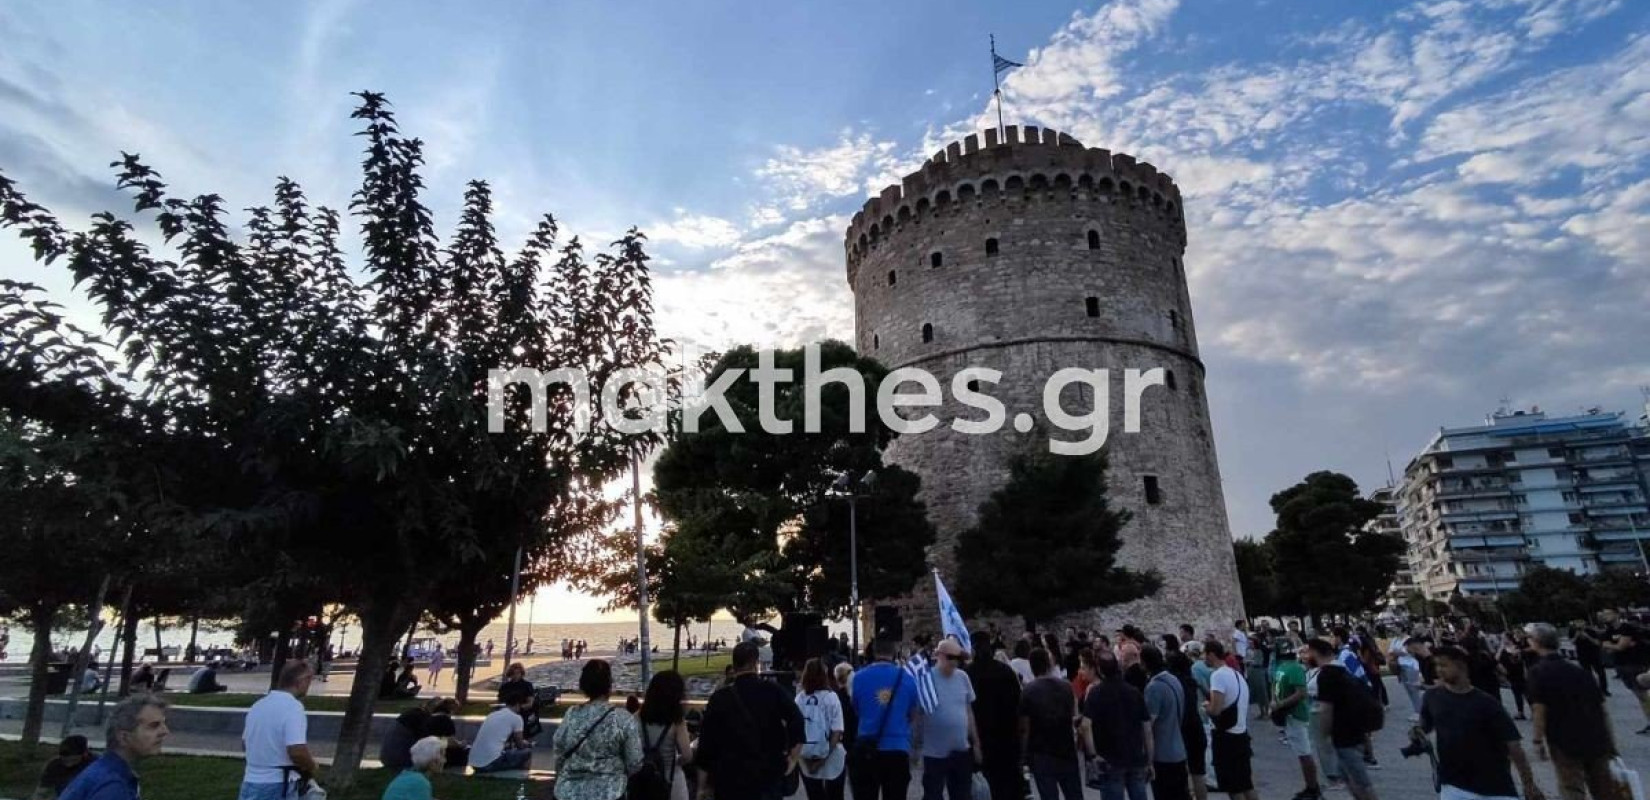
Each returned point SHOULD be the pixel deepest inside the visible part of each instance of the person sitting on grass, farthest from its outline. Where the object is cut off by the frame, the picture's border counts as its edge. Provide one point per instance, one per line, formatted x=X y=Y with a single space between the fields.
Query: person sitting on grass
x=407 y=686
x=72 y=757
x=499 y=744
x=205 y=681
x=413 y=783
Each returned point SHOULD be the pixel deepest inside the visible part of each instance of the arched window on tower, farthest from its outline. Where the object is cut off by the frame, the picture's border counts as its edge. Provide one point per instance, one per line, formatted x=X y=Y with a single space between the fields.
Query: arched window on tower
x=1168 y=380
x=1094 y=240
x=892 y=277
x=876 y=342
x=1093 y=306
x=991 y=247
x=935 y=259
x=927 y=332
x=1174 y=319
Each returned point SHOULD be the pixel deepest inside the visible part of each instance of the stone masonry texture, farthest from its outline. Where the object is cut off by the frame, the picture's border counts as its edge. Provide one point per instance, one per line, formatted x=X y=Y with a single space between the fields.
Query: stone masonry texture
x=1086 y=273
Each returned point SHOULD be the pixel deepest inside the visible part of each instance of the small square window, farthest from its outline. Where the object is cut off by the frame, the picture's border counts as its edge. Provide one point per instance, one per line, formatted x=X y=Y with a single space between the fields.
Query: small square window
x=1092 y=304
x=935 y=259
x=1154 y=495
x=893 y=277
x=991 y=247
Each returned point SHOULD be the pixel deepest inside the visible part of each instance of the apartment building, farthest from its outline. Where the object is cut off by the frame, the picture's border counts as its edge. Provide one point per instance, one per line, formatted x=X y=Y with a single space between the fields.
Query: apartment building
x=1483 y=504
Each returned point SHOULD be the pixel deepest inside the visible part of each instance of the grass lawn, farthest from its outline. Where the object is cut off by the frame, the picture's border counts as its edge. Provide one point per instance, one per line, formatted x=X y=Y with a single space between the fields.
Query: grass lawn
x=697 y=666
x=207 y=778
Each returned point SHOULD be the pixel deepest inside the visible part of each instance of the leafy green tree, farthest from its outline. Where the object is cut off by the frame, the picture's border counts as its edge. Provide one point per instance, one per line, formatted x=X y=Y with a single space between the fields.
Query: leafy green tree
x=334 y=432
x=1256 y=577
x=1324 y=562
x=1615 y=589
x=1047 y=544
x=762 y=501
x=1546 y=594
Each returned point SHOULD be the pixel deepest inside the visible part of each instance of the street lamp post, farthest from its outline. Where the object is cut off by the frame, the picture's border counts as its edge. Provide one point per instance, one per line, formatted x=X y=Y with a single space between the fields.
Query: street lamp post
x=846 y=486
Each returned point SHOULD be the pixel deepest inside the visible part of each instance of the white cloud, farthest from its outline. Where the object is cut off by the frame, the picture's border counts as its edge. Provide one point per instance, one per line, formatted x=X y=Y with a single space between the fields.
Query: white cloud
x=695 y=231
x=804 y=178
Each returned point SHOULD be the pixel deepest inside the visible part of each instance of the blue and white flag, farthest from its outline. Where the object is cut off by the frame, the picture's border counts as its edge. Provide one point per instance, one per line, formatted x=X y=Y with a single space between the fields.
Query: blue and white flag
x=951 y=620
x=1001 y=64
x=922 y=676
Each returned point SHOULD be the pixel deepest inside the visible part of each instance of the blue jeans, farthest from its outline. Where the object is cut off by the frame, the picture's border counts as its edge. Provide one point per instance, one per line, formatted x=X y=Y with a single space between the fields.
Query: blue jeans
x=1115 y=782
x=508 y=760
x=265 y=791
x=1056 y=776
x=951 y=776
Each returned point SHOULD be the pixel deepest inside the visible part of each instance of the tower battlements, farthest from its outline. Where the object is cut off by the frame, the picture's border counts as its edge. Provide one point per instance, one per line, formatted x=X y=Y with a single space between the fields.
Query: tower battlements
x=1026 y=161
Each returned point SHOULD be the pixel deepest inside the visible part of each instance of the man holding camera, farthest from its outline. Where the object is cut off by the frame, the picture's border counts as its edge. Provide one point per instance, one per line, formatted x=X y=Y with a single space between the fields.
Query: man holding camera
x=1476 y=737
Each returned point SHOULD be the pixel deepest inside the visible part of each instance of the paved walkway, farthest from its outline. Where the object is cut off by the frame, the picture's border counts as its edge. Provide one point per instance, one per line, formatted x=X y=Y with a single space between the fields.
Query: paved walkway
x=1276 y=772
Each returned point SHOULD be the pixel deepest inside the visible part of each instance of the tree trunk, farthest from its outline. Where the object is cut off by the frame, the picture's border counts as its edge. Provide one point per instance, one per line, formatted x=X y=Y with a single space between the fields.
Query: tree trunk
x=159 y=650
x=128 y=637
x=283 y=651
x=194 y=633
x=464 y=672
x=381 y=627
x=676 y=651
x=34 y=718
x=94 y=626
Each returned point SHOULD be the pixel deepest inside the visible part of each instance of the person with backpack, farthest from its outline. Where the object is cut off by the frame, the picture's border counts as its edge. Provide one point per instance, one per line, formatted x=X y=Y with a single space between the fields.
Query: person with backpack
x=750 y=739
x=823 y=757
x=665 y=743
x=1346 y=713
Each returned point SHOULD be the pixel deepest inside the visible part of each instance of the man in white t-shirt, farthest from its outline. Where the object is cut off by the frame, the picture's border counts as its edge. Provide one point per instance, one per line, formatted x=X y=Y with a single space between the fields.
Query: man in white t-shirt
x=277 y=738
x=1229 y=713
x=500 y=745
x=1240 y=639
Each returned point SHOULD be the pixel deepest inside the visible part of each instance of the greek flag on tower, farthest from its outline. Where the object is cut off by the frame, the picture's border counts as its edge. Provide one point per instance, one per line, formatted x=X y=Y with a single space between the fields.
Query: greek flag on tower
x=951 y=620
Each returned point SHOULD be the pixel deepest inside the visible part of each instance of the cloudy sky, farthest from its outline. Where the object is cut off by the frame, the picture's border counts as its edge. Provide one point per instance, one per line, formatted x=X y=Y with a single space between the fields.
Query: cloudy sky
x=1400 y=214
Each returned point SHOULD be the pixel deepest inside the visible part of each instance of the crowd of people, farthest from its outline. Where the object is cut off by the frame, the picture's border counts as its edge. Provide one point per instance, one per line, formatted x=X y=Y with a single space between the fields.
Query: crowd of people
x=1172 y=716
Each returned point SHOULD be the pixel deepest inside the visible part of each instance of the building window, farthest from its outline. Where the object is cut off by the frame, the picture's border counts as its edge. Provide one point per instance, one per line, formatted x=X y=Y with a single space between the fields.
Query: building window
x=1512 y=457
x=934 y=259
x=1445 y=462
x=892 y=277
x=1569 y=497
x=991 y=247
x=1521 y=500
x=1092 y=304
x=1154 y=496
x=1555 y=452
x=876 y=342
x=1094 y=240
x=1168 y=379
x=1174 y=319
x=927 y=332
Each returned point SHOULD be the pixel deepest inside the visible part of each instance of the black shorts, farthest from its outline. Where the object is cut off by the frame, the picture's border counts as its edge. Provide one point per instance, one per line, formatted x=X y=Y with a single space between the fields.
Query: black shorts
x=1231 y=757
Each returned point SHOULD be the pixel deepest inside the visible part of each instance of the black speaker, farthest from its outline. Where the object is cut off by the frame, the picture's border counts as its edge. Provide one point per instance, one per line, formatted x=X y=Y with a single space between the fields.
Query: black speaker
x=887 y=624
x=801 y=637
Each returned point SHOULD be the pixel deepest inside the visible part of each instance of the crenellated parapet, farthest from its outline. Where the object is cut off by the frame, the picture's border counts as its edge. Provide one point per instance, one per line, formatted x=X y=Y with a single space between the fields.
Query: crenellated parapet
x=1027 y=163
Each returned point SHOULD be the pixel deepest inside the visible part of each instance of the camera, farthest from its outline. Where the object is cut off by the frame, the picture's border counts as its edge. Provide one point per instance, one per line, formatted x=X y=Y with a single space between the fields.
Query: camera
x=1419 y=744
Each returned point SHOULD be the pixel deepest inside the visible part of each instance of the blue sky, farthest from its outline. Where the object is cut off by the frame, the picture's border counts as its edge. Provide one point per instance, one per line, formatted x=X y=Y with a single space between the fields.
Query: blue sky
x=1399 y=213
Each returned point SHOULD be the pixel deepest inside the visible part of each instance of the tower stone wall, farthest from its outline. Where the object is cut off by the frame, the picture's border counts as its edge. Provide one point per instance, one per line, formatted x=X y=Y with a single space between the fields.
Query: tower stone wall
x=1030 y=255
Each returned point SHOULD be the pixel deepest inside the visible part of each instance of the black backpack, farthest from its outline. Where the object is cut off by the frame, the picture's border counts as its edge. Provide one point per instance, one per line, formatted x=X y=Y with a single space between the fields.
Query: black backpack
x=652 y=781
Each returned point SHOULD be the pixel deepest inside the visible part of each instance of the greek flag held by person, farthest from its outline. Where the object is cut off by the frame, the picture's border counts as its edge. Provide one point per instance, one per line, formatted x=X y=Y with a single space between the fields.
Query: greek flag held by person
x=922 y=676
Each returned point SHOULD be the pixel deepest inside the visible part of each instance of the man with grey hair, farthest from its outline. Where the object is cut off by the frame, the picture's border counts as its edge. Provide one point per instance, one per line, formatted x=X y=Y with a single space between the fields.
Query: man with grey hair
x=276 y=738
x=1569 y=720
x=135 y=731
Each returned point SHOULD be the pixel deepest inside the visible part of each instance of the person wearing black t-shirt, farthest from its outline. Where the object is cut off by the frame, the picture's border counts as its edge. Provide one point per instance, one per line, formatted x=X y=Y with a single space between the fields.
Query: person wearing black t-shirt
x=1590 y=654
x=73 y=758
x=1477 y=742
x=1629 y=646
x=1570 y=720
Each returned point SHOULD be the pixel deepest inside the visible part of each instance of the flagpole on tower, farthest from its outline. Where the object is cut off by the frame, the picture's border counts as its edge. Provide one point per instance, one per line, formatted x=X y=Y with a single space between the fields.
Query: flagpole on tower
x=999 y=65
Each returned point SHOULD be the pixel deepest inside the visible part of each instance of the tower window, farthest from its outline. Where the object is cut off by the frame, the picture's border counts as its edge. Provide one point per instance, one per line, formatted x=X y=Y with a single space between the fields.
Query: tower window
x=991 y=247
x=892 y=277
x=934 y=259
x=876 y=342
x=974 y=386
x=1168 y=379
x=1094 y=240
x=1154 y=495
x=1093 y=306
x=1174 y=319
x=927 y=332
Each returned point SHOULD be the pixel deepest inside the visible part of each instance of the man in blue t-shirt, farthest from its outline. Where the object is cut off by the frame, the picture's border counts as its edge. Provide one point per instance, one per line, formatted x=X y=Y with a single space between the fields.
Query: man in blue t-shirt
x=885 y=700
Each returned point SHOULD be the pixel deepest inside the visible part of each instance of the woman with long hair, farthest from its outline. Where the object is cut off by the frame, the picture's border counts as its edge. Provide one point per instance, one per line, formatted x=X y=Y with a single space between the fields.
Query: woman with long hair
x=664 y=729
x=823 y=754
x=597 y=746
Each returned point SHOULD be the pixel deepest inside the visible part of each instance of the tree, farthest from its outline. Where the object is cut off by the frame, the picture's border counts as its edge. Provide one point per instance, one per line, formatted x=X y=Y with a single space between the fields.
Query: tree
x=1616 y=589
x=1256 y=576
x=1047 y=544
x=761 y=500
x=1323 y=559
x=1546 y=594
x=336 y=431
